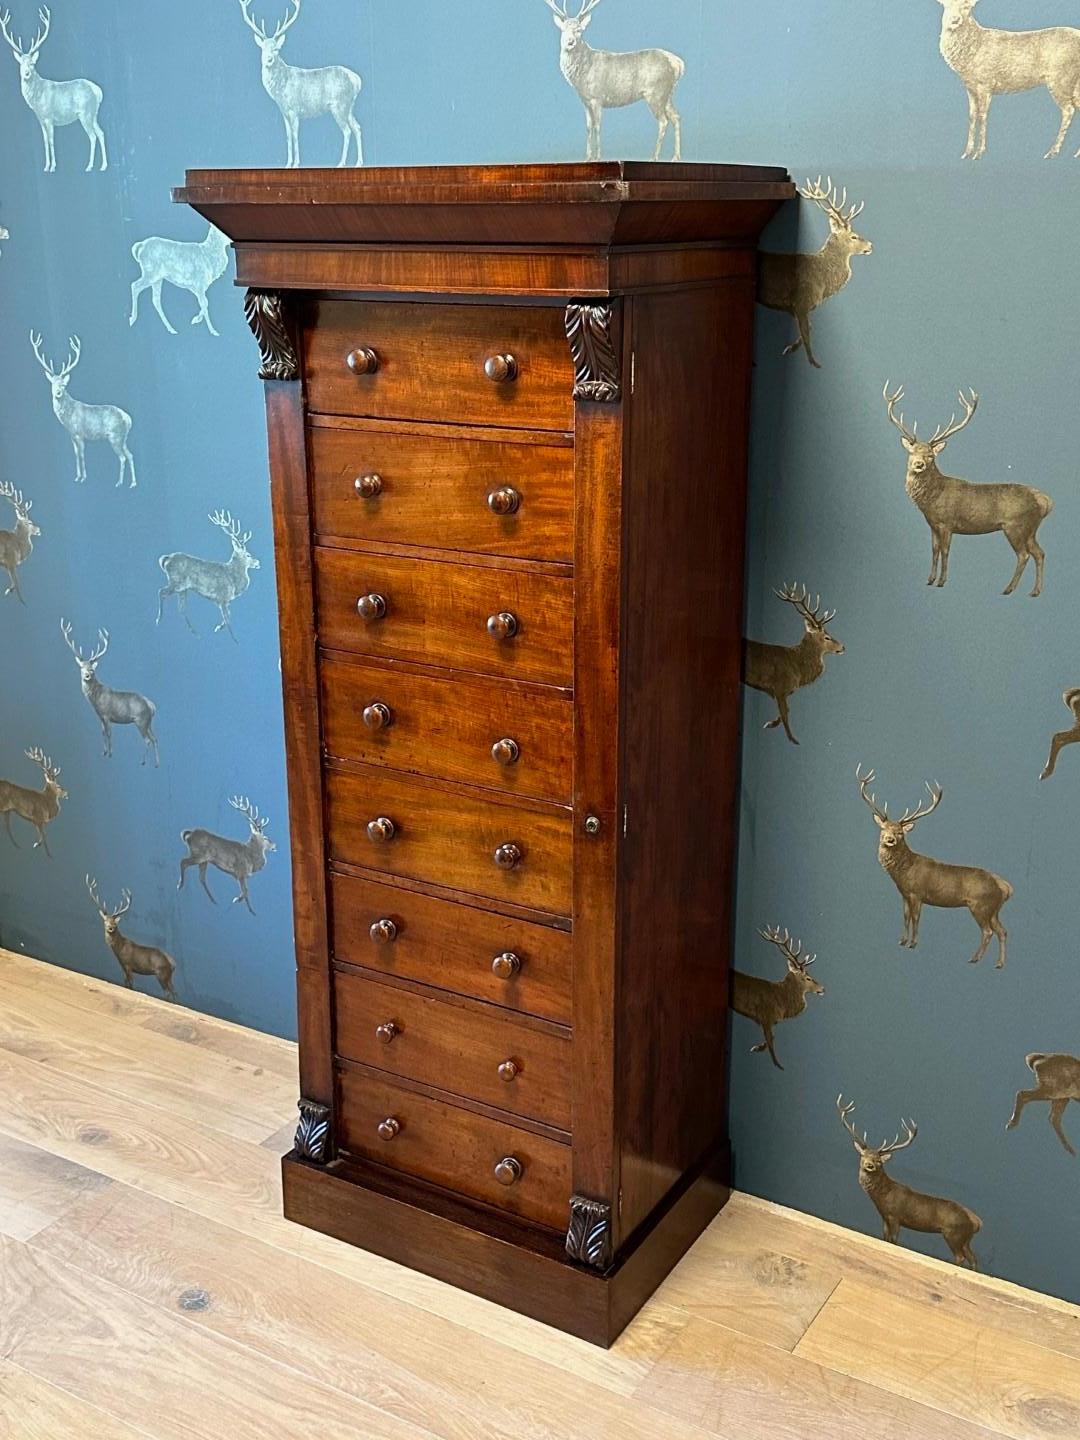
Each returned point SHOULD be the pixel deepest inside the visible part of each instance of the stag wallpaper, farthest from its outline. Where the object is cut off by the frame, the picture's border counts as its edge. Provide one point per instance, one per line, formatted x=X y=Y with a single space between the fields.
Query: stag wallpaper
x=917 y=352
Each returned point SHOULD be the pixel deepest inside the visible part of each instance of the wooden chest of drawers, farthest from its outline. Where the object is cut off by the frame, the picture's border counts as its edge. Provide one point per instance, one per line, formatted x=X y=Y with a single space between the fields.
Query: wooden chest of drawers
x=507 y=413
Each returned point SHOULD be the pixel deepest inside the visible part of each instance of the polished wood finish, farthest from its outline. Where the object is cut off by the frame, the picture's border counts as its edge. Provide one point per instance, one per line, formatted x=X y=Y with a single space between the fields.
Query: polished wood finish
x=521 y=404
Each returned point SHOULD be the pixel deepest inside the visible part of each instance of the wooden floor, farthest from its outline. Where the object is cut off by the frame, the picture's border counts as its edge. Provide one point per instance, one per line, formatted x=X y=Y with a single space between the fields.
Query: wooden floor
x=150 y=1287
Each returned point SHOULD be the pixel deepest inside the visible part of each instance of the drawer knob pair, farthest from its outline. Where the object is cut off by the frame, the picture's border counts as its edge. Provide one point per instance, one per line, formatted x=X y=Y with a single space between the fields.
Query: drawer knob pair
x=362 y=360
x=386 y=1032
x=389 y=1128
x=508 y=856
x=509 y=1170
x=381 y=830
x=371 y=607
x=383 y=932
x=501 y=368
x=377 y=716
x=503 y=626
x=506 y=965
x=504 y=501
x=368 y=486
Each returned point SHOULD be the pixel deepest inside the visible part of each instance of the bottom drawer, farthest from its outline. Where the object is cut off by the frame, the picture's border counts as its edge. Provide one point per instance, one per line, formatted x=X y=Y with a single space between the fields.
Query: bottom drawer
x=455 y=1148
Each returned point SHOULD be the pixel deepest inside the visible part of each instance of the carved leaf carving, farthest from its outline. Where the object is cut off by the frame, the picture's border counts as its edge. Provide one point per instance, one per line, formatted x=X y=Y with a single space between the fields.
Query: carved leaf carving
x=313 y=1132
x=588 y=1239
x=264 y=311
x=596 y=365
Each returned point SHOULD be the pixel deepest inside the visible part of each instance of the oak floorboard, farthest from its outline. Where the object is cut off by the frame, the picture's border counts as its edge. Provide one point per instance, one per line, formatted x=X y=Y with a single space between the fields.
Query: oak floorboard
x=37 y=1187
x=32 y=1409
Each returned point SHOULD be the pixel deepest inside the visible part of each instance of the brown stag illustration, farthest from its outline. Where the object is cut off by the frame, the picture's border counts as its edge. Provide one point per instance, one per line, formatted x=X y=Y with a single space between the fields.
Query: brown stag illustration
x=799 y=283
x=36 y=807
x=135 y=959
x=958 y=507
x=767 y=1002
x=1071 y=700
x=902 y=1208
x=924 y=881
x=780 y=670
x=1057 y=1079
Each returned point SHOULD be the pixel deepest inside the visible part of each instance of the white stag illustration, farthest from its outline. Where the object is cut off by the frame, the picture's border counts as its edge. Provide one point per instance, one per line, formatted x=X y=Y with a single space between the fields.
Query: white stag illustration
x=191 y=265
x=923 y=881
x=1004 y=62
x=609 y=80
x=902 y=1208
x=86 y=422
x=4 y=234
x=1071 y=701
x=1057 y=1079
x=239 y=858
x=799 y=283
x=135 y=959
x=112 y=707
x=36 y=807
x=216 y=580
x=16 y=545
x=958 y=507
x=305 y=94
x=56 y=102
x=780 y=670
x=767 y=1002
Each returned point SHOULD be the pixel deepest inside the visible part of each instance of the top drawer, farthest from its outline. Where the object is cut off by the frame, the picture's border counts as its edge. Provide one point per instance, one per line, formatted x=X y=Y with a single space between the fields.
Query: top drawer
x=427 y=362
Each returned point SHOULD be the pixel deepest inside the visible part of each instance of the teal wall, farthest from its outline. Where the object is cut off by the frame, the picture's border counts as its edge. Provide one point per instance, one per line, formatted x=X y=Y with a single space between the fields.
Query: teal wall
x=971 y=283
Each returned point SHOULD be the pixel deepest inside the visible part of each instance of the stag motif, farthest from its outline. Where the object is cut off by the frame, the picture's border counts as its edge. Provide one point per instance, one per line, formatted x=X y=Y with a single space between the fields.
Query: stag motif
x=85 y=422
x=1004 y=62
x=958 y=507
x=239 y=858
x=1057 y=1079
x=608 y=80
x=191 y=265
x=219 y=581
x=36 y=807
x=135 y=959
x=767 y=1002
x=16 y=545
x=4 y=234
x=799 y=283
x=902 y=1208
x=112 y=707
x=923 y=881
x=305 y=94
x=56 y=102
x=1071 y=699
x=780 y=670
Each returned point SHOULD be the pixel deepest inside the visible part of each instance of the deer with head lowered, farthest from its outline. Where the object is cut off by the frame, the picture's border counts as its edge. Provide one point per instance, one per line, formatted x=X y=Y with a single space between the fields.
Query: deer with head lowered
x=780 y=670
x=239 y=858
x=216 y=580
x=56 y=102
x=191 y=265
x=112 y=707
x=958 y=507
x=901 y=1207
x=135 y=959
x=1057 y=1079
x=36 y=807
x=923 y=881
x=16 y=545
x=303 y=94
x=767 y=1002
x=799 y=283
x=607 y=80
x=85 y=422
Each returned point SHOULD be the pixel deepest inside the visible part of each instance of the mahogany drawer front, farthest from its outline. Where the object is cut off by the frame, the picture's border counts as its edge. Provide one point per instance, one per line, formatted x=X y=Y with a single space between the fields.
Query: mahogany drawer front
x=450 y=839
x=454 y=1148
x=437 y=613
x=482 y=732
x=442 y=493
x=492 y=1057
x=429 y=363
x=505 y=961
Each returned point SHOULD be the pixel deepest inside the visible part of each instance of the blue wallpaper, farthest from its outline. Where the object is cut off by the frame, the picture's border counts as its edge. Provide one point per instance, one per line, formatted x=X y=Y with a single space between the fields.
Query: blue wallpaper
x=970 y=284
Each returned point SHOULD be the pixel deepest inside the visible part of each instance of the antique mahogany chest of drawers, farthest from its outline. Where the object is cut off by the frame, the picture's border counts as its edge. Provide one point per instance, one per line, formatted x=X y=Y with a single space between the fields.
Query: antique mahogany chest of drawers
x=507 y=413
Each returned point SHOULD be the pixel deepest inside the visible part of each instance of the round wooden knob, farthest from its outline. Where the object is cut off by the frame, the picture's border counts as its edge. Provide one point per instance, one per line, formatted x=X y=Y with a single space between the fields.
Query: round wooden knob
x=362 y=361
x=508 y=1170
x=506 y=751
x=501 y=367
x=377 y=716
x=506 y=965
x=371 y=607
x=383 y=932
x=507 y=856
x=380 y=830
x=503 y=626
x=368 y=486
x=508 y=1071
x=389 y=1127
x=504 y=501
x=385 y=1032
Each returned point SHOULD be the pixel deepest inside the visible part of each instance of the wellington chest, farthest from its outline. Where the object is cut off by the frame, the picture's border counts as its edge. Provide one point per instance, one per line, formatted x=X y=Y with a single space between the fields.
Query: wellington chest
x=507 y=412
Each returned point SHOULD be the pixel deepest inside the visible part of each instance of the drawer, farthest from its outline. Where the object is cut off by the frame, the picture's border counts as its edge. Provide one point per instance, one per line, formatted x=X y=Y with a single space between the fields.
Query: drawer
x=483 y=1056
x=450 y=839
x=454 y=1148
x=452 y=946
x=435 y=492
x=430 y=363
x=468 y=730
x=437 y=613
